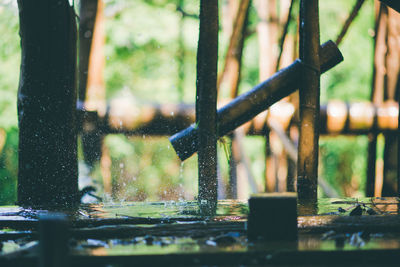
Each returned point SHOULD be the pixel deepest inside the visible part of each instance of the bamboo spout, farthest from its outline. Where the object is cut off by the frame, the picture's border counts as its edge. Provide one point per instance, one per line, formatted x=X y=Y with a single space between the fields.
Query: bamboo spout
x=246 y=106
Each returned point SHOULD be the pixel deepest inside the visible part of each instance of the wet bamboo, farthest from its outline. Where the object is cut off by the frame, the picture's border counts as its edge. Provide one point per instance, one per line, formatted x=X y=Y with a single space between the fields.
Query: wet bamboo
x=206 y=106
x=248 y=105
x=307 y=165
x=48 y=166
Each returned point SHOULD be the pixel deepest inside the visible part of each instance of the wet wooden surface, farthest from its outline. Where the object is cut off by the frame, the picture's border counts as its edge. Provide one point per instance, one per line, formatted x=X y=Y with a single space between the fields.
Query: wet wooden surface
x=172 y=233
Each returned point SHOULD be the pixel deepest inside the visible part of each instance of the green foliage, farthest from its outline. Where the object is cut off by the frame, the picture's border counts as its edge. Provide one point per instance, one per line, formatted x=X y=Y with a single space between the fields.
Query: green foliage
x=8 y=168
x=9 y=73
x=351 y=80
x=141 y=48
x=344 y=163
x=148 y=169
x=9 y=64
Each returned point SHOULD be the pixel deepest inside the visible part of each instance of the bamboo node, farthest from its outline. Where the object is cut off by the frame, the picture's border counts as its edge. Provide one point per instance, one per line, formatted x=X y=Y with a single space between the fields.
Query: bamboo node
x=312 y=67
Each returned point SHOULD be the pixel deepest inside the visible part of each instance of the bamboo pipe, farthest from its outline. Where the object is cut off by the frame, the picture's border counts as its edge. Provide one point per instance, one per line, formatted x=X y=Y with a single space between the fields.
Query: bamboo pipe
x=248 y=105
x=395 y=4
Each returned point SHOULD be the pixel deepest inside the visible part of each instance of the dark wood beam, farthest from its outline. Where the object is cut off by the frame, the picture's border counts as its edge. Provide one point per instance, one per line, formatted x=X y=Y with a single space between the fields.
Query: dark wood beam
x=48 y=167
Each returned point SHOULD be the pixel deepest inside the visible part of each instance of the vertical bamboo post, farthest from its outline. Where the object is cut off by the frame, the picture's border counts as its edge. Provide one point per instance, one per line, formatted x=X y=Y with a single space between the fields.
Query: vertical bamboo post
x=231 y=73
x=48 y=167
x=377 y=90
x=206 y=105
x=307 y=167
x=371 y=167
x=392 y=68
x=267 y=31
x=87 y=13
x=91 y=138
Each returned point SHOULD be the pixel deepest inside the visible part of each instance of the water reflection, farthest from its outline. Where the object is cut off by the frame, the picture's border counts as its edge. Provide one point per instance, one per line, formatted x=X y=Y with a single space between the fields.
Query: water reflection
x=226 y=209
x=306 y=242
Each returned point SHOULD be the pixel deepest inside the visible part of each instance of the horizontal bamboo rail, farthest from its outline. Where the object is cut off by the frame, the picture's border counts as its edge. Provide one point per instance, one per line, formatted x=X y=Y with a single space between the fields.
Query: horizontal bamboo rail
x=337 y=117
x=248 y=105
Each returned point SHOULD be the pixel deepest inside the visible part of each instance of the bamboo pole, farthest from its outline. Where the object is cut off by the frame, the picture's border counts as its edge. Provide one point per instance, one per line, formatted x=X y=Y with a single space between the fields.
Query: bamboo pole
x=284 y=33
x=206 y=106
x=91 y=82
x=376 y=91
x=246 y=106
x=231 y=74
x=267 y=32
x=392 y=68
x=307 y=166
x=349 y=20
x=96 y=91
x=48 y=167
x=94 y=149
x=87 y=15
x=233 y=57
x=337 y=118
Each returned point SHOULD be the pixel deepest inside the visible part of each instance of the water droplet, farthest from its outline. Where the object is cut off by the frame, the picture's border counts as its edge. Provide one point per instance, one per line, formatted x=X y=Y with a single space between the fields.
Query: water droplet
x=87 y=34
